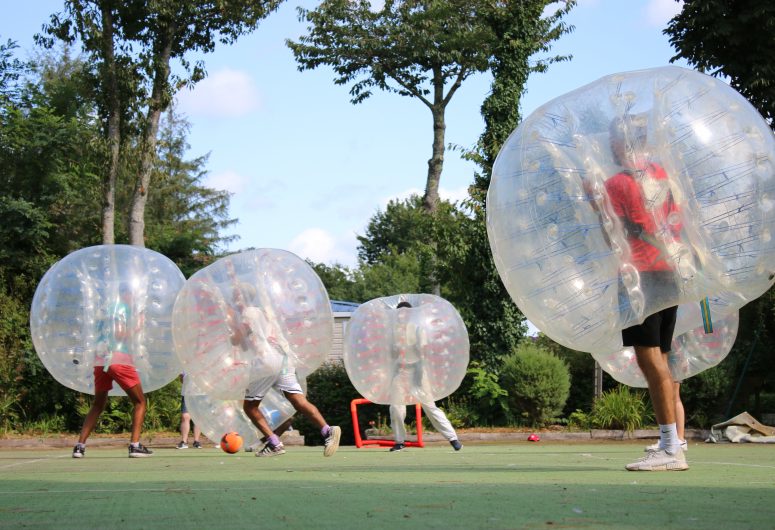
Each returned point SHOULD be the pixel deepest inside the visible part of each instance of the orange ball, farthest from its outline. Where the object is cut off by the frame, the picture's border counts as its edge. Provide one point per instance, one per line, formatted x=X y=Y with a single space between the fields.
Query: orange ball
x=231 y=442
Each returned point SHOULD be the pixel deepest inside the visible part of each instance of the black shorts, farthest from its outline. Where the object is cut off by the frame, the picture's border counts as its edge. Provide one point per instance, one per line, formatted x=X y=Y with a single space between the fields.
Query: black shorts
x=656 y=330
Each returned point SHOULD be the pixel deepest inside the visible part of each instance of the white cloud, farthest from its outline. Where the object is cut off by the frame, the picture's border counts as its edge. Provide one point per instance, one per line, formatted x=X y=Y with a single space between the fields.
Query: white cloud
x=225 y=94
x=320 y=246
x=659 y=12
x=228 y=180
x=455 y=195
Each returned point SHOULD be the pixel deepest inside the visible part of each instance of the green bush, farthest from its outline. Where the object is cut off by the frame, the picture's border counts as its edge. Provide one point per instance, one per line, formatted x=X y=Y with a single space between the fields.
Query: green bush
x=330 y=390
x=579 y=421
x=705 y=396
x=162 y=412
x=480 y=400
x=537 y=383
x=621 y=408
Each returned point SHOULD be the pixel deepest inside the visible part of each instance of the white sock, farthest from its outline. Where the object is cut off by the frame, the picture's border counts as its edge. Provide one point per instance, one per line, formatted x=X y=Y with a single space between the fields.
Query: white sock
x=668 y=438
x=134 y=444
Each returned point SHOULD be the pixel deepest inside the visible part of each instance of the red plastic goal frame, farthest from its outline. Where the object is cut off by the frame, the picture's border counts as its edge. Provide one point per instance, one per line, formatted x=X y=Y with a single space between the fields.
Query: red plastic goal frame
x=382 y=442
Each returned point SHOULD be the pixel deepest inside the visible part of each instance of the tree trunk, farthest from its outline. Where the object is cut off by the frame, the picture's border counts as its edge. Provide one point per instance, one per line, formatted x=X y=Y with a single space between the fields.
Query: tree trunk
x=436 y=163
x=156 y=106
x=114 y=130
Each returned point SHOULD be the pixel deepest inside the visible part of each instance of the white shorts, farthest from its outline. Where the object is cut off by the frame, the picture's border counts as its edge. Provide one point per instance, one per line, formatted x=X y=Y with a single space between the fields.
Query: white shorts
x=282 y=383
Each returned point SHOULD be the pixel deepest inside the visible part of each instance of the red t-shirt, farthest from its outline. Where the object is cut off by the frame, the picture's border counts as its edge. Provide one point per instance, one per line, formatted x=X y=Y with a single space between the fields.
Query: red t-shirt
x=626 y=198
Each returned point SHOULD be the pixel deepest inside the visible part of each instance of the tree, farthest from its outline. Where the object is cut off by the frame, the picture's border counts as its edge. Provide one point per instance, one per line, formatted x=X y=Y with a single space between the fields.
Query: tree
x=521 y=30
x=151 y=35
x=51 y=155
x=185 y=218
x=10 y=70
x=424 y=49
x=733 y=39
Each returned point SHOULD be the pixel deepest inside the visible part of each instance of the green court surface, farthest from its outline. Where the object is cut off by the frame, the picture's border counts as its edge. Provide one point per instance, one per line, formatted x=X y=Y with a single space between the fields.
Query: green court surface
x=541 y=485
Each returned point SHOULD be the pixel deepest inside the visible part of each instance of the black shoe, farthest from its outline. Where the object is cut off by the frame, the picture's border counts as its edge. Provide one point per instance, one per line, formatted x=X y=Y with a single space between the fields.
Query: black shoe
x=396 y=447
x=79 y=451
x=197 y=445
x=139 y=452
x=182 y=445
x=456 y=444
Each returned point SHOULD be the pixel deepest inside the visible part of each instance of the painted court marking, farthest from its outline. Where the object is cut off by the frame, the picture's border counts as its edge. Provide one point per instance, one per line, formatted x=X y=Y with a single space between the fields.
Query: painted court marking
x=35 y=461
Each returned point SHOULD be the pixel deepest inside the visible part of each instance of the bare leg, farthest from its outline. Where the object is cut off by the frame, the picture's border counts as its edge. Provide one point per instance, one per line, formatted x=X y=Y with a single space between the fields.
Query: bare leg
x=100 y=400
x=680 y=415
x=253 y=412
x=138 y=414
x=660 y=382
x=197 y=432
x=310 y=411
x=185 y=427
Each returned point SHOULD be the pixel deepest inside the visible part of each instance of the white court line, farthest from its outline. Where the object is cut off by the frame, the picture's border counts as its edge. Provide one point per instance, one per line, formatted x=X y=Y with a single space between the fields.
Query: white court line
x=140 y=490
x=25 y=462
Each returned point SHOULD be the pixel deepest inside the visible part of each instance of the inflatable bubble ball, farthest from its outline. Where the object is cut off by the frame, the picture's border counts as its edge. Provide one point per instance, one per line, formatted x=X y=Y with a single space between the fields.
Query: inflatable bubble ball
x=405 y=349
x=108 y=304
x=694 y=349
x=216 y=416
x=640 y=191
x=248 y=316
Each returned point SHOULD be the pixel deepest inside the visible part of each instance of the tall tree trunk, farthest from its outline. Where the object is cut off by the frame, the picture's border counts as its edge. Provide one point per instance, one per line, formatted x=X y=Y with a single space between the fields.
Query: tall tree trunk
x=436 y=163
x=114 y=129
x=156 y=106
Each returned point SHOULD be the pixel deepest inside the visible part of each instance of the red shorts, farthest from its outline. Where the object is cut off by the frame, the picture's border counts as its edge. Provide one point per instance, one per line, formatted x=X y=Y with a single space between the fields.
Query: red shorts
x=126 y=376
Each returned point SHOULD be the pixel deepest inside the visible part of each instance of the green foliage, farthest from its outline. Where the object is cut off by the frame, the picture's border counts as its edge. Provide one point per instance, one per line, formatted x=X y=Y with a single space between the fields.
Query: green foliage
x=537 y=383
x=703 y=396
x=406 y=47
x=51 y=153
x=621 y=408
x=579 y=420
x=732 y=40
x=582 y=374
x=184 y=218
x=485 y=401
x=330 y=390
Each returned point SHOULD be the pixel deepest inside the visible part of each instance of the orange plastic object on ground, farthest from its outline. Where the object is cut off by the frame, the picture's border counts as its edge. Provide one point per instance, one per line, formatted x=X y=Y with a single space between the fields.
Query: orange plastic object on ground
x=382 y=442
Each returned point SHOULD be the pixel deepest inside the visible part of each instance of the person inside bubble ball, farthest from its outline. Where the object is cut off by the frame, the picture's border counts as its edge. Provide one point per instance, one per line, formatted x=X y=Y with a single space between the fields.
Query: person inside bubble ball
x=114 y=362
x=640 y=196
x=185 y=423
x=409 y=367
x=257 y=327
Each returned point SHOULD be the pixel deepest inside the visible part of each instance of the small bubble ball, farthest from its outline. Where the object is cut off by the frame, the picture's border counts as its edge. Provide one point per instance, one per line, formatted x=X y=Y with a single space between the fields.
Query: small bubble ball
x=215 y=416
x=107 y=304
x=694 y=348
x=405 y=349
x=565 y=237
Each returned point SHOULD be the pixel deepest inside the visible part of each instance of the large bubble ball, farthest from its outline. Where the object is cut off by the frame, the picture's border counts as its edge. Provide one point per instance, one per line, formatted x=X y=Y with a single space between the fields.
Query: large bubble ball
x=108 y=304
x=216 y=416
x=694 y=348
x=565 y=243
x=248 y=316
x=407 y=355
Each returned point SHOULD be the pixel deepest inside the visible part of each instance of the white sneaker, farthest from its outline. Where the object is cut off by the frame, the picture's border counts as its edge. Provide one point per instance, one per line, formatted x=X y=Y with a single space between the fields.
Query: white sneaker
x=660 y=460
x=655 y=447
x=270 y=450
x=332 y=441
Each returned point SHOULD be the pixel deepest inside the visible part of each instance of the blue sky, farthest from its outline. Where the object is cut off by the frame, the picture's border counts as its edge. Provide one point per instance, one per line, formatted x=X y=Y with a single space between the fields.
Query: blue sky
x=307 y=168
